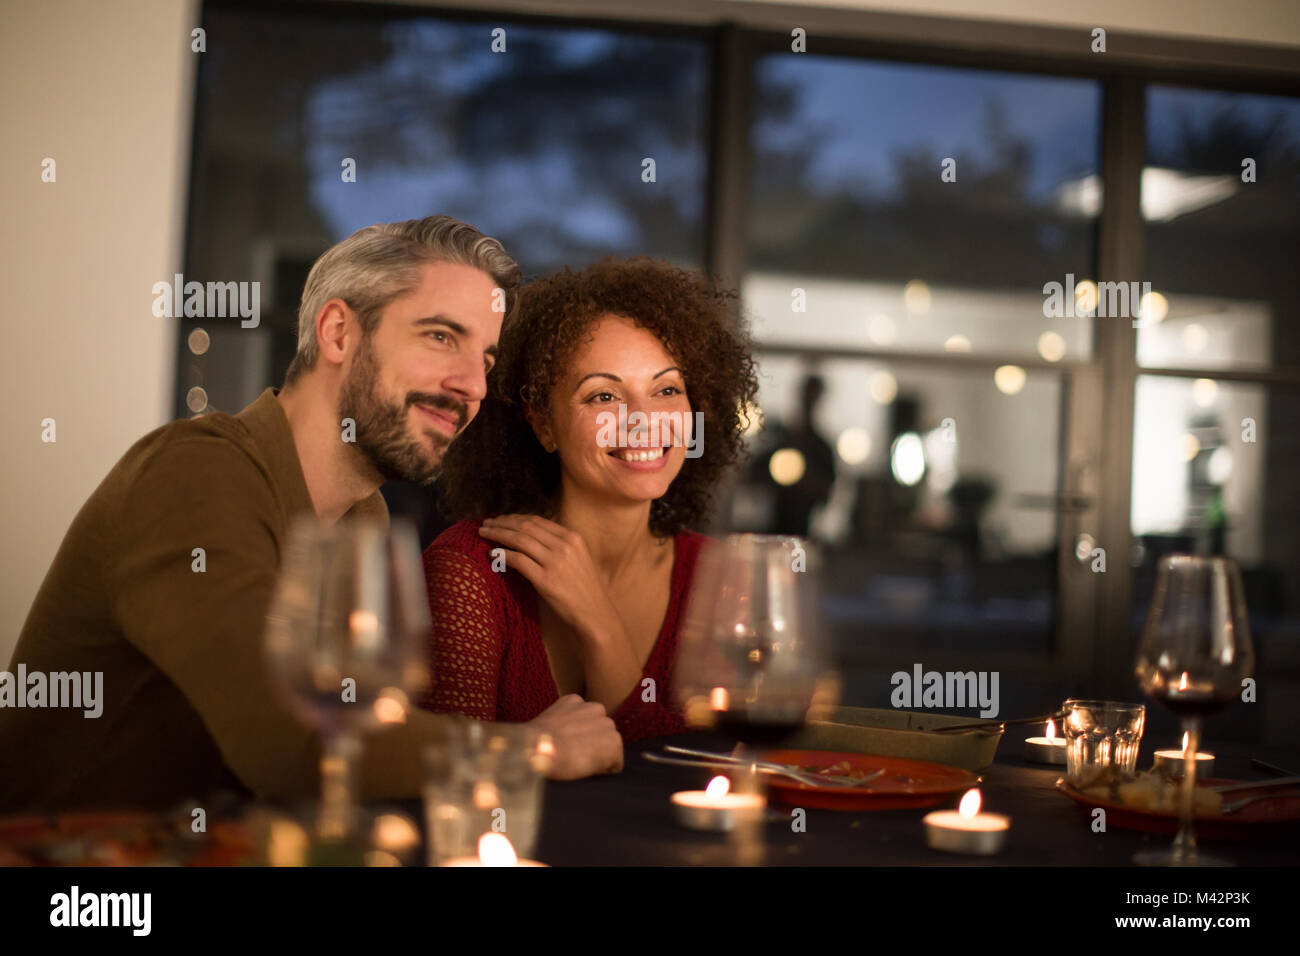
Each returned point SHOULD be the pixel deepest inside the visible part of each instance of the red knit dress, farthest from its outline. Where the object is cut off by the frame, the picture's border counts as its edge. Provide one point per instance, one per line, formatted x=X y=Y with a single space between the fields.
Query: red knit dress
x=488 y=659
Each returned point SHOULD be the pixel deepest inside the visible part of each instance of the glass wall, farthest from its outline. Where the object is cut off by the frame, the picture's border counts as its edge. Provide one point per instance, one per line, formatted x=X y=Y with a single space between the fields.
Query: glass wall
x=912 y=215
x=1216 y=462
x=311 y=125
x=921 y=254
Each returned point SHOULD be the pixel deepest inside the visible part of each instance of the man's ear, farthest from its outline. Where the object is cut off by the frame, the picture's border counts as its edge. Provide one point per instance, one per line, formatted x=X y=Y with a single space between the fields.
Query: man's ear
x=541 y=426
x=336 y=328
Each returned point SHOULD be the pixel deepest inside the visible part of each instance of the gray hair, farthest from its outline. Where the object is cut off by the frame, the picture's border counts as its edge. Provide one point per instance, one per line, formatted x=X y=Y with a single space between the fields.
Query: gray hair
x=380 y=263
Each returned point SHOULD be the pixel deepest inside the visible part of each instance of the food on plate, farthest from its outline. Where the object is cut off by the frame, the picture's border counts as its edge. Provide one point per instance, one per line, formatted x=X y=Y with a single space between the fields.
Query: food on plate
x=841 y=769
x=1148 y=791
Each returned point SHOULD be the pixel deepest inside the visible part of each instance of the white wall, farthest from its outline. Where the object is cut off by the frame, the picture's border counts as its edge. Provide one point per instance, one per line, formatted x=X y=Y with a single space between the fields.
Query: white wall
x=1238 y=21
x=104 y=87
x=1246 y=21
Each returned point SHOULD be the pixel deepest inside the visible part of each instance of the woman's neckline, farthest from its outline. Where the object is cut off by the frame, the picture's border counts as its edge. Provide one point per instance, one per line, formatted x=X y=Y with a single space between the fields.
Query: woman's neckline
x=535 y=619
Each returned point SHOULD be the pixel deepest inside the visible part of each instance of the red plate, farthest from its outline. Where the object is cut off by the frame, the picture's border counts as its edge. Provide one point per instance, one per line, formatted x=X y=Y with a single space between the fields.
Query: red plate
x=119 y=839
x=904 y=784
x=1253 y=820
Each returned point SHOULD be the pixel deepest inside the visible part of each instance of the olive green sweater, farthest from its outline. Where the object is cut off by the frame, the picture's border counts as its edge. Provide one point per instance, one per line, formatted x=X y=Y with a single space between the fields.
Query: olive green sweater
x=187 y=710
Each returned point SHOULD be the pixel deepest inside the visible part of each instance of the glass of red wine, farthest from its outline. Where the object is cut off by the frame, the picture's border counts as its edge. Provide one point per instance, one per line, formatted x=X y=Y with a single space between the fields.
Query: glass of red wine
x=1193 y=656
x=753 y=661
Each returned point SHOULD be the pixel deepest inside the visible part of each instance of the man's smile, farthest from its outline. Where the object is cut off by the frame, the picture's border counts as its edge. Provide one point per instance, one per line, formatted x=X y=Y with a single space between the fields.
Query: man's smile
x=446 y=422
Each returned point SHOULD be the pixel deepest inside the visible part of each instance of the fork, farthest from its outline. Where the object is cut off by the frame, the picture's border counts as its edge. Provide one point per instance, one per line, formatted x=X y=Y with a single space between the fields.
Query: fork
x=794 y=773
x=993 y=724
x=812 y=780
x=1246 y=801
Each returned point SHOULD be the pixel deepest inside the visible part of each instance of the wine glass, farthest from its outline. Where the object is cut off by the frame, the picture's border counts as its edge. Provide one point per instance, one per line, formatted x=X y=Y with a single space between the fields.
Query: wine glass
x=1194 y=654
x=344 y=642
x=752 y=660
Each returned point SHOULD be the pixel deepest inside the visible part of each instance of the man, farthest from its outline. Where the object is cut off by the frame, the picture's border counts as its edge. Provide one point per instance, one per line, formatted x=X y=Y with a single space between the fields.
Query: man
x=397 y=331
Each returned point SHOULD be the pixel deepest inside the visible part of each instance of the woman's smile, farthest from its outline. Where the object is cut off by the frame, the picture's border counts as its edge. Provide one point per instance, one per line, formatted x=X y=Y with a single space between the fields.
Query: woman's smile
x=641 y=459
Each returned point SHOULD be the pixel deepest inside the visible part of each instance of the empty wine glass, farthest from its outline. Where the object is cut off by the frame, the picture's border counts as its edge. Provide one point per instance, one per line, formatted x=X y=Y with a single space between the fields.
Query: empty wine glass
x=1194 y=654
x=344 y=642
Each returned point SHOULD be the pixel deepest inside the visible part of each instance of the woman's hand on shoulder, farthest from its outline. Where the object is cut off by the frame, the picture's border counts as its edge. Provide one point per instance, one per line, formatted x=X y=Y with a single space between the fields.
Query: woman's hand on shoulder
x=557 y=563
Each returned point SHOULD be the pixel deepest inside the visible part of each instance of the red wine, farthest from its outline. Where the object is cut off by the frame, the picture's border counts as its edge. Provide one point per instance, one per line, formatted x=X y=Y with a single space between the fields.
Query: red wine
x=747 y=729
x=1188 y=701
x=1186 y=705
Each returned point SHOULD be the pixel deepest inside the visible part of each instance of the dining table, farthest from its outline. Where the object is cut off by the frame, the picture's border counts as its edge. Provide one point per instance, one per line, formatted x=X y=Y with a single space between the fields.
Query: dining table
x=626 y=819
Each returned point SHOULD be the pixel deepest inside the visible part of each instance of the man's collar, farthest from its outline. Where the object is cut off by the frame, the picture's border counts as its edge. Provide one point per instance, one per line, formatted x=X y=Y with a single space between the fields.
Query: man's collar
x=269 y=426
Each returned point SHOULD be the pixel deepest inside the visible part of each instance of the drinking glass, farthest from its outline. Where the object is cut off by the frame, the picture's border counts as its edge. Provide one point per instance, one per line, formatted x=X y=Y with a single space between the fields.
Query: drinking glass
x=1100 y=734
x=1194 y=654
x=345 y=640
x=753 y=660
x=484 y=778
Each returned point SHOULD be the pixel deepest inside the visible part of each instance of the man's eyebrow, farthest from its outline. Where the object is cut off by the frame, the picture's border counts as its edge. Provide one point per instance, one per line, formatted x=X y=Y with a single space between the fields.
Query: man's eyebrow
x=453 y=325
x=441 y=320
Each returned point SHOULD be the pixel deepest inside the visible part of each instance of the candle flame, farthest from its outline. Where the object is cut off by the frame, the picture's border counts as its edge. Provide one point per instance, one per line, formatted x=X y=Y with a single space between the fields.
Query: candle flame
x=718 y=786
x=1182 y=681
x=495 y=849
x=970 y=804
x=719 y=699
x=1051 y=730
x=1185 y=741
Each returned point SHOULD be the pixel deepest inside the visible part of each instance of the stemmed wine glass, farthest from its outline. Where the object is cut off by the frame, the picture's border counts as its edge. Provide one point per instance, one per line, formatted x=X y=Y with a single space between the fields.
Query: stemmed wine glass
x=344 y=640
x=1194 y=654
x=753 y=661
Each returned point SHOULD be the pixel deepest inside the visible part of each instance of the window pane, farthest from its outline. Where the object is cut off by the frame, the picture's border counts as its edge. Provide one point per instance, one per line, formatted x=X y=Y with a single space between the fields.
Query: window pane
x=1221 y=200
x=857 y=239
x=940 y=514
x=542 y=146
x=1215 y=468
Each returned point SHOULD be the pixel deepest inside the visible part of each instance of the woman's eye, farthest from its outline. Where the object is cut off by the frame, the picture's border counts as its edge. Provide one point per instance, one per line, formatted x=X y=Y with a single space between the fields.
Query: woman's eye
x=671 y=390
x=601 y=397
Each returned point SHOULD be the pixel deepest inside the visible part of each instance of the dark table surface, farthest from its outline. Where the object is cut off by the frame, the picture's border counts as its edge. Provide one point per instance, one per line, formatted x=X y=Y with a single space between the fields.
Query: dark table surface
x=626 y=819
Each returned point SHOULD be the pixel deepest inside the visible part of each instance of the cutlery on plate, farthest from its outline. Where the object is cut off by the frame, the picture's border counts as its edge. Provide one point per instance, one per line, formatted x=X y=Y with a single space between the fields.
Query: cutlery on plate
x=1258 y=785
x=1246 y=801
x=993 y=724
x=1271 y=768
x=704 y=758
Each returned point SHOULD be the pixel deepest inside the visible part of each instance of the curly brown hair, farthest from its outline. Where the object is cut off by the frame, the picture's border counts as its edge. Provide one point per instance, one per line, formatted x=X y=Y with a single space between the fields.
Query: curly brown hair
x=497 y=465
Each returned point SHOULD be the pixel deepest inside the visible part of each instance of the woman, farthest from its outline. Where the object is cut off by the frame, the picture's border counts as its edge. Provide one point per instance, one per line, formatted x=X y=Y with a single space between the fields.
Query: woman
x=616 y=408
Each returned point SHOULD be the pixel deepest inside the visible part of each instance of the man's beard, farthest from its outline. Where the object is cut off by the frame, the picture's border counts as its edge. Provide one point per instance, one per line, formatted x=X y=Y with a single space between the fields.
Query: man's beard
x=382 y=437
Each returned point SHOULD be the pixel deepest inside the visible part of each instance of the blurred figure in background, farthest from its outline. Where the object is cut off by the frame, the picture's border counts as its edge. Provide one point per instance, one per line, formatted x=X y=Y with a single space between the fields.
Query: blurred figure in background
x=795 y=502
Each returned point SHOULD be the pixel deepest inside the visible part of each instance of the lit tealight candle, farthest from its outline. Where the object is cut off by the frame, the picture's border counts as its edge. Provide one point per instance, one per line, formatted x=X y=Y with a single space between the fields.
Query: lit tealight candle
x=966 y=830
x=716 y=808
x=1049 y=749
x=494 y=849
x=1170 y=762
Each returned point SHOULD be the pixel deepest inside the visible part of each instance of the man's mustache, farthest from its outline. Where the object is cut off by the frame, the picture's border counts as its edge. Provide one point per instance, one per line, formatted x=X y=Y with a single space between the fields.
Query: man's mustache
x=443 y=403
